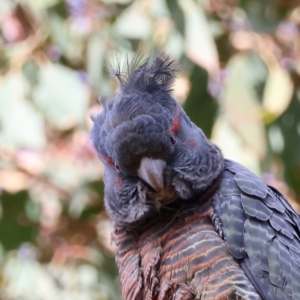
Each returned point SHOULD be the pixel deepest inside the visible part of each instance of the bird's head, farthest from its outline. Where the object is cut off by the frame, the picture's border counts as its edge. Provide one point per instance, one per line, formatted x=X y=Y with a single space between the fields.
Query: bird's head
x=153 y=154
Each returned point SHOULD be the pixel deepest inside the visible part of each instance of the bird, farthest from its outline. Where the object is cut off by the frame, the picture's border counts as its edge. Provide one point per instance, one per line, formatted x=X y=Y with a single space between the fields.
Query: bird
x=187 y=222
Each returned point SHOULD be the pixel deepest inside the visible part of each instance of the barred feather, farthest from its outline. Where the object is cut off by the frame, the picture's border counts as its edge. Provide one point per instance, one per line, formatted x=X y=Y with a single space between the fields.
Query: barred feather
x=179 y=254
x=262 y=231
x=226 y=235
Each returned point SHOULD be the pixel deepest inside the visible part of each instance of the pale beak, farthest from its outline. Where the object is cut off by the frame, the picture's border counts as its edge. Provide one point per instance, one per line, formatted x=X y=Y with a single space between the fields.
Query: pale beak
x=151 y=171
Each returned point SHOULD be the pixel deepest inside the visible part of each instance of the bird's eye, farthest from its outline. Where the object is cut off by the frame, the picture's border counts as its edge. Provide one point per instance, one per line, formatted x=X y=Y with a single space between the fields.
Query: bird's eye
x=172 y=140
x=117 y=168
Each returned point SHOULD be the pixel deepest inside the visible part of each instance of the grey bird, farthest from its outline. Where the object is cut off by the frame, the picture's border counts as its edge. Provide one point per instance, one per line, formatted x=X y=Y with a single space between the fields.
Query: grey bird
x=188 y=224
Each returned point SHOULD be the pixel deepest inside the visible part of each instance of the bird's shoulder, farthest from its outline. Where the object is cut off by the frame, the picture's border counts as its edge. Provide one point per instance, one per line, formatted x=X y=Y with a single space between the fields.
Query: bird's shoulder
x=262 y=232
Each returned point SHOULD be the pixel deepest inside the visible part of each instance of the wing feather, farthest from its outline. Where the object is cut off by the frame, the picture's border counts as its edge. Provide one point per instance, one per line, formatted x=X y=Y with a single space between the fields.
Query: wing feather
x=262 y=232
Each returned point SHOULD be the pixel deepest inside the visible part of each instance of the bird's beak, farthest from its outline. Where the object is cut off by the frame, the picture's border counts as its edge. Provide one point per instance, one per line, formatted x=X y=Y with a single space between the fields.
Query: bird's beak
x=151 y=171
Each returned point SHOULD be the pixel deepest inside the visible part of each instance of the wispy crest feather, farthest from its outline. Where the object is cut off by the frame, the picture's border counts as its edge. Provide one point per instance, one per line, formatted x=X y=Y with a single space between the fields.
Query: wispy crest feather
x=150 y=75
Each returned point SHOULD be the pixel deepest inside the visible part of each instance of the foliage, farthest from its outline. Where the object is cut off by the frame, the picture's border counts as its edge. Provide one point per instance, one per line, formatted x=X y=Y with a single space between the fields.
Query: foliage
x=239 y=81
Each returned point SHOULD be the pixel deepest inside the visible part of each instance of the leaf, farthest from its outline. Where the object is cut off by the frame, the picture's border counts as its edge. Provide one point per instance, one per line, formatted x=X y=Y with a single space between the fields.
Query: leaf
x=258 y=78
x=30 y=71
x=133 y=23
x=276 y=139
x=62 y=96
x=21 y=124
x=174 y=45
x=278 y=91
x=258 y=15
x=41 y=4
x=55 y=280
x=15 y=228
x=69 y=44
x=288 y=127
x=241 y=105
x=199 y=105
x=199 y=43
x=177 y=14
x=232 y=145
x=95 y=54
x=121 y=2
x=32 y=210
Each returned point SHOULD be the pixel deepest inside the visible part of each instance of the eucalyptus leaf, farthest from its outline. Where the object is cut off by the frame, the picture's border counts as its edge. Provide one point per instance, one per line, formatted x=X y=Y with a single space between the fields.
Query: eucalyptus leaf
x=278 y=91
x=41 y=4
x=199 y=43
x=241 y=105
x=31 y=72
x=62 y=96
x=95 y=60
x=21 y=124
x=287 y=143
x=22 y=277
x=177 y=14
x=13 y=232
x=199 y=105
x=261 y=14
x=70 y=44
x=122 y=2
x=174 y=44
x=233 y=146
x=133 y=23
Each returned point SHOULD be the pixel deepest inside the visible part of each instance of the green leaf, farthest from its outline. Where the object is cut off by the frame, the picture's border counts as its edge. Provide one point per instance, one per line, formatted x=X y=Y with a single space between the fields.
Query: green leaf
x=62 y=96
x=177 y=14
x=199 y=105
x=31 y=72
x=41 y=4
x=121 y=2
x=232 y=145
x=95 y=54
x=288 y=143
x=21 y=124
x=262 y=15
x=133 y=23
x=278 y=91
x=199 y=45
x=256 y=73
x=174 y=45
x=32 y=210
x=241 y=105
x=97 y=187
x=15 y=228
x=70 y=44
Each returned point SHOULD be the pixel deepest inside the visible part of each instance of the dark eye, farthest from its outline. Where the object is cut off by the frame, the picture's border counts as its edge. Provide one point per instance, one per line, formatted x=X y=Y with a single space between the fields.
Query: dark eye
x=117 y=168
x=172 y=140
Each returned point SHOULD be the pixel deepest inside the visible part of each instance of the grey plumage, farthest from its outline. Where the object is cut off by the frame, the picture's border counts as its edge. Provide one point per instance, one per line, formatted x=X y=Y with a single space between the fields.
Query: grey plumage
x=262 y=232
x=158 y=163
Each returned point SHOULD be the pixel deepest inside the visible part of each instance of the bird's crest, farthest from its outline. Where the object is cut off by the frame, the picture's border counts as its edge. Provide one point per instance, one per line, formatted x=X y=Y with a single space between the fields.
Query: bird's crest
x=150 y=75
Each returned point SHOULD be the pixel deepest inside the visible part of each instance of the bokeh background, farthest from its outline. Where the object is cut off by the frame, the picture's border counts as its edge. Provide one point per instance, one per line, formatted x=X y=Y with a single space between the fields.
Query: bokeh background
x=239 y=80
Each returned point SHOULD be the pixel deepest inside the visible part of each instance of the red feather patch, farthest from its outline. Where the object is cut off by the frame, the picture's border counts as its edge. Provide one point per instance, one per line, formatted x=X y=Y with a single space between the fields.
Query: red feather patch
x=119 y=183
x=175 y=124
x=108 y=160
x=192 y=143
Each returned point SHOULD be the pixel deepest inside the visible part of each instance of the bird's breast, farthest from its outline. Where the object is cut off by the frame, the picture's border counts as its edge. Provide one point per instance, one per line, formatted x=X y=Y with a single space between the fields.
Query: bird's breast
x=177 y=254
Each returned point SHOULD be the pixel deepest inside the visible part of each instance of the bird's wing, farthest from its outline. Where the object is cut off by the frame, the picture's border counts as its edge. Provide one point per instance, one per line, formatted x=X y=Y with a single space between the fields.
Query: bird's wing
x=262 y=232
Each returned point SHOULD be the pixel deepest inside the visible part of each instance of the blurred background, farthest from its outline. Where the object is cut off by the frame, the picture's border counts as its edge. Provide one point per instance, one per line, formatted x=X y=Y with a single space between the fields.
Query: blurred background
x=239 y=81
